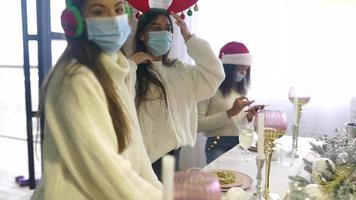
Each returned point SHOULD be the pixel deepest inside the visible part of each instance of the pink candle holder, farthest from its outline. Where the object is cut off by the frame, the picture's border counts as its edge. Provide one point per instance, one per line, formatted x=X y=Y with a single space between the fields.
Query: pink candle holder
x=196 y=185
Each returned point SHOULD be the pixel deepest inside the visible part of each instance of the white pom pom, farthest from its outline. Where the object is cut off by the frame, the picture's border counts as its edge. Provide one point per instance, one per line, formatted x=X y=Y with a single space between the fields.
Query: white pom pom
x=315 y=191
x=164 y=4
x=236 y=193
x=320 y=165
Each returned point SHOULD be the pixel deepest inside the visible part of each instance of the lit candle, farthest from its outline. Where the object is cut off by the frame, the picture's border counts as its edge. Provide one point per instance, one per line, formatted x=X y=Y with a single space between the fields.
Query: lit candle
x=261 y=136
x=295 y=116
x=168 y=163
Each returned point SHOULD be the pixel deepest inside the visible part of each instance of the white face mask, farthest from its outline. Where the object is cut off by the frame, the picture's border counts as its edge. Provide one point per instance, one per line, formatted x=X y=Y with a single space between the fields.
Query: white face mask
x=109 y=33
x=239 y=77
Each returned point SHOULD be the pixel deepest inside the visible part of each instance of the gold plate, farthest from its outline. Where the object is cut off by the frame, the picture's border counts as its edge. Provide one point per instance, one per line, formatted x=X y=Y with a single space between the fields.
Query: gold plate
x=242 y=180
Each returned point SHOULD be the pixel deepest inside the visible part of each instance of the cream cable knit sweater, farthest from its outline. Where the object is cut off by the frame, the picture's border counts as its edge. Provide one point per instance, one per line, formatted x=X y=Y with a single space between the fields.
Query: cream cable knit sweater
x=164 y=130
x=80 y=147
x=213 y=120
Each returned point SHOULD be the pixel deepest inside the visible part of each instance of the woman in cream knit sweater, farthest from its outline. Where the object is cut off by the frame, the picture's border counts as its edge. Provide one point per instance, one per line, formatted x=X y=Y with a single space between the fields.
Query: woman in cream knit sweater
x=92 y=147
x=167 y=92
x=222 y=116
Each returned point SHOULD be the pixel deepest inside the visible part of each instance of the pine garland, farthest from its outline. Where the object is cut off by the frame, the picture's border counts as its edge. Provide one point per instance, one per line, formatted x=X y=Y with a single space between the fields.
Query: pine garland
x=338 y=179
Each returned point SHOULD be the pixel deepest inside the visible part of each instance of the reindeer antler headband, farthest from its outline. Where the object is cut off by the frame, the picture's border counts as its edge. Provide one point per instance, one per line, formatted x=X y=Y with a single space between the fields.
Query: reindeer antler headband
x=175 y=6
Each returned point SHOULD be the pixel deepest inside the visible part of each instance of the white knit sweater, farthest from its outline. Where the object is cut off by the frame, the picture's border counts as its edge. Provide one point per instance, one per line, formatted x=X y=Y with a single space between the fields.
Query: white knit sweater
x=213 y=120
x=165 y=128
x=80 y=147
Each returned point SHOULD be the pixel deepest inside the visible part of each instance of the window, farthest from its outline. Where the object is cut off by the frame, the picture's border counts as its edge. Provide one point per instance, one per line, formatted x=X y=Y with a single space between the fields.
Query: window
x=306 y=42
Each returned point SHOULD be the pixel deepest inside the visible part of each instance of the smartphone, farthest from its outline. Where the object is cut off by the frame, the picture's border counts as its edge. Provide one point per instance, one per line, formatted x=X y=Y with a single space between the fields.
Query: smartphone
x=256 y=107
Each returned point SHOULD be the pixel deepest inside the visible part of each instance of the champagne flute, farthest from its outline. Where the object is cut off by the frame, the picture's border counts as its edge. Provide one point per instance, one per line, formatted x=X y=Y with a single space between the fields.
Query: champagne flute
x=246 y=139
x=299 y=96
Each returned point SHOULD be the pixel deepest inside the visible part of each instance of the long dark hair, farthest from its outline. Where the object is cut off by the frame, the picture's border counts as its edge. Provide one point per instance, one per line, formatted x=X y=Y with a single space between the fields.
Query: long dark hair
x=146 y=75
x=87 y=54
x=230 y=84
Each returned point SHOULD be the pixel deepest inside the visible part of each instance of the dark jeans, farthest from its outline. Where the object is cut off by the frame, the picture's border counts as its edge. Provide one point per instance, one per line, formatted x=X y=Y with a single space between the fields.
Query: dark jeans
x=157 y=166
x=216 y=146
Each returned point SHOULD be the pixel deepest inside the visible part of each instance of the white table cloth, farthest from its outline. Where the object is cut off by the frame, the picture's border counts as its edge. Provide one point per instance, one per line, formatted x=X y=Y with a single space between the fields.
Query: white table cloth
x=280 y=170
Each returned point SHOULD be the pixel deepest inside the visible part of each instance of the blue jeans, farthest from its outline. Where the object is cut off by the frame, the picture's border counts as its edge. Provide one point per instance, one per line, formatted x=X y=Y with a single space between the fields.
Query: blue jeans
x=216 y=146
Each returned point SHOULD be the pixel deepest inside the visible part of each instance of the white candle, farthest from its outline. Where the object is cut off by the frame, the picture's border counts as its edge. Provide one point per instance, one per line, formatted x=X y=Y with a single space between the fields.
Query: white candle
x=168 y=163
x=261 y=136
x=295 y=114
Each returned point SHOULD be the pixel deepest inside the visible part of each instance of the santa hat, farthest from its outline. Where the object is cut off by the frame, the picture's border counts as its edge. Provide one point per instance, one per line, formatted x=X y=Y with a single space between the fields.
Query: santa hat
x=235 y=53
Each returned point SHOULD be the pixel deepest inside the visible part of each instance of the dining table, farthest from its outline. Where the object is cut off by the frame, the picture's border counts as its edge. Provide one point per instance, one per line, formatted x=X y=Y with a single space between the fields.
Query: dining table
x=281 y=168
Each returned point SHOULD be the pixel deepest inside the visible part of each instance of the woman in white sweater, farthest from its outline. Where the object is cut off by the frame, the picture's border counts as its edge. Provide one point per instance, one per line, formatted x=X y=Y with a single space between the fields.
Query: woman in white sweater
x=167 y=91
x=222 y=116
x=92 y=147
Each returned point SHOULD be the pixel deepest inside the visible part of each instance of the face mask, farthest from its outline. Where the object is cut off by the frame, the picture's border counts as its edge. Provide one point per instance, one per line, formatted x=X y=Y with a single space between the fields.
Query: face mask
x=110 y=33
x=239 y=77
x=159 y=42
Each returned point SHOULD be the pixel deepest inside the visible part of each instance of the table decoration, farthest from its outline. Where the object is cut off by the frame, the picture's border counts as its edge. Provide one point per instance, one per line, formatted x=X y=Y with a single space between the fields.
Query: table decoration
x=332 y=174
x=236 y=193
x=275 y=126
x=196 y=185
x=260 y=158
x=168 y=162
x=231 y=178
x=298 y=96
x=257 y=195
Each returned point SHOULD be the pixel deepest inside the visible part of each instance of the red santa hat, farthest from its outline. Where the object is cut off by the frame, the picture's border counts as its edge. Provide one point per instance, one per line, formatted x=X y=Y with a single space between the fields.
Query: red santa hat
x=235 y=53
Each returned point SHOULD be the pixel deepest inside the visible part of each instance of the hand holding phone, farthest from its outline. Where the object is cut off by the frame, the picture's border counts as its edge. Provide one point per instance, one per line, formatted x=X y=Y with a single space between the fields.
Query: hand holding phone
x=259 y=106
x=251 y=112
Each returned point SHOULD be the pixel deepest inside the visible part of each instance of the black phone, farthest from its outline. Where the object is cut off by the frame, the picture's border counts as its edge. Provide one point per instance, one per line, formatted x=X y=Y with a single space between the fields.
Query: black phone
x=259 y=106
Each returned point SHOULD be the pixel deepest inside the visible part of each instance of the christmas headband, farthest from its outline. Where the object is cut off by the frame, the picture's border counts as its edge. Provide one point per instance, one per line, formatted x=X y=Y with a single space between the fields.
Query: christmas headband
x=175 y=6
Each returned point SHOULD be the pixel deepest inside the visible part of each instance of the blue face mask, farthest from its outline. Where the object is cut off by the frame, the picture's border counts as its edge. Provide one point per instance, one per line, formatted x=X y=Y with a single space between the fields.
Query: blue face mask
x=110 y=33
x=159 y=42
x=239 y=77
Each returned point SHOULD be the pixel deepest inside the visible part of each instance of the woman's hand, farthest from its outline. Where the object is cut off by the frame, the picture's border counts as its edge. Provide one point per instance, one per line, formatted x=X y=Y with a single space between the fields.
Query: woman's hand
x=141 y=57
x=251 y=112
x=237 y=106
x=183 y=27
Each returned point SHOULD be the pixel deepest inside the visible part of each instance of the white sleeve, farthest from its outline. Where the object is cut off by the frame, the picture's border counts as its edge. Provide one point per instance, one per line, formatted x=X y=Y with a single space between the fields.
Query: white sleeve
x=208 y=73
x=84 y=135
x=210 y=122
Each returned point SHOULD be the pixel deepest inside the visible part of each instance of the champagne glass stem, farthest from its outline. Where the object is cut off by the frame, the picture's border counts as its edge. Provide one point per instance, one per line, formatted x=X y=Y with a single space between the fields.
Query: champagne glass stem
x=244 y=153
x=295 y=136
x=295 y=132
x=299 y=115
x=247 y=158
